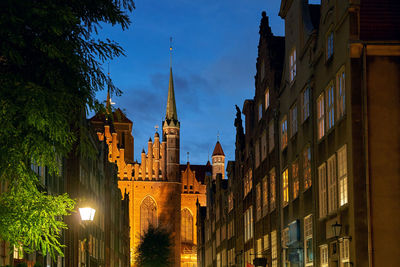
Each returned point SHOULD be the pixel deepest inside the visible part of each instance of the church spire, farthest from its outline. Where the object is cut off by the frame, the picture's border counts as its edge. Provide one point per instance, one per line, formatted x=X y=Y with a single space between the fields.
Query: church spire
x=171 y=113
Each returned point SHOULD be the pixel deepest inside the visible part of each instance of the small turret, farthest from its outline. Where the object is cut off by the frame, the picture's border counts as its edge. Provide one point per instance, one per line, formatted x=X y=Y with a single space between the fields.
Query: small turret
x=218 y=161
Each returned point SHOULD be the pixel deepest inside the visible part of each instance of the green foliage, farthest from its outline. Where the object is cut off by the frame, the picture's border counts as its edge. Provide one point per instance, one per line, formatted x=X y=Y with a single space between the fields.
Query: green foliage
x=155 y=248
x=50 y=70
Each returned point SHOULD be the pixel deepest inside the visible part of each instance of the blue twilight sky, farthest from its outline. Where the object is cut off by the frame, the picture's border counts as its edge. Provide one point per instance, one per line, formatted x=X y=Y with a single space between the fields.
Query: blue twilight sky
x=214 y=63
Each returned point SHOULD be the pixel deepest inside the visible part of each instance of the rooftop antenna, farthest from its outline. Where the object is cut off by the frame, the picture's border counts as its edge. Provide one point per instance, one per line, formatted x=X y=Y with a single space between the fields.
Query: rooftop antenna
x=170 y=52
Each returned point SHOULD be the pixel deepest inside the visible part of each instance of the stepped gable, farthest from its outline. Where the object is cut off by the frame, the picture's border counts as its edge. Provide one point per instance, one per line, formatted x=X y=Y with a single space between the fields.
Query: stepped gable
x=200 y=171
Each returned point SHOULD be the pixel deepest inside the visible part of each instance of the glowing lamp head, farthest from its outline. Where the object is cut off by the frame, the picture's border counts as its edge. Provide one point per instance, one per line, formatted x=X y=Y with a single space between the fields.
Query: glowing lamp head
x=87 y=213
x=336 y=228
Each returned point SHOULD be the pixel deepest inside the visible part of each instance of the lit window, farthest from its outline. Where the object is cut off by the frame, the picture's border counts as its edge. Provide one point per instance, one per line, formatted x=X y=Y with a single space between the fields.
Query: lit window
x=248 y=182
x=321 y=116
x=274 y=250
x=305 y=104
x=342 y=175
x=18 y=252
x=292 y=64
x=272 y=183
x=284 y=132
x=285 y=187
x=322 y=190
x=332 y=188
x=293 y=120
x=267 y=98
x=265 y=196
x=295 y=179
x=285 y=237
x=248 y=224
x=260 y=111
x=259 y=248
x=258 y=201
x=330 y=105
x=341 y=93
x=271 y=135
x=344 y=253
x=307 y=167
x=308 y=241
x=266 y=242
x=187 y=226
x=324 y=255
x=329 y=45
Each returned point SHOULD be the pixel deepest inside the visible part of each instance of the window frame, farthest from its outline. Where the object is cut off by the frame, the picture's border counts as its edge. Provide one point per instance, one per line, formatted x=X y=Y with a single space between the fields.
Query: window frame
x=308 y=237
x=307 y=179
x=329 y=44
x=267 y=98
x=330 y=106
x=342 y=176
x=305 y=104
x=321 y=116
x=295 y=179
x=285 y=187
x=322 y=190
x=332 y=184
x=293 y=114
x=341 y=92
x=292 y=65
x=283 y=132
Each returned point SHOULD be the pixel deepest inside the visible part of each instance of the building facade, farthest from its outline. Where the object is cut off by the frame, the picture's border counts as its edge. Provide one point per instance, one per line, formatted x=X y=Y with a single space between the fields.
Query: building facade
x=162 y=192
x=315 y=158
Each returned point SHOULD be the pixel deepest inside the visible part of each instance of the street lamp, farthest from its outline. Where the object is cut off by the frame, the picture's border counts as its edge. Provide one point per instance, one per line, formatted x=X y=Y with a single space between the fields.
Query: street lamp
x=87 y=215
x=337 y=228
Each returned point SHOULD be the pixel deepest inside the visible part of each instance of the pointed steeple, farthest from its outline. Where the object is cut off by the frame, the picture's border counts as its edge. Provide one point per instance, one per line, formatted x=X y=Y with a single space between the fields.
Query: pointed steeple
x=171 y=113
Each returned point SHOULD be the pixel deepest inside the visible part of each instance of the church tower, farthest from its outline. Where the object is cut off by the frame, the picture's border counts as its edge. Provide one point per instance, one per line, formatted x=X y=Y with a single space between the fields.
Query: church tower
x=218 y=161
x=171 y=128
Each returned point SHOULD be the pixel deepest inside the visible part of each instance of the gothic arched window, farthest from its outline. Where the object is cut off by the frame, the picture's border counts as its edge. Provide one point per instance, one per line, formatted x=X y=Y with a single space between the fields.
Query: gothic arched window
x=187 y=226
x=148 y=214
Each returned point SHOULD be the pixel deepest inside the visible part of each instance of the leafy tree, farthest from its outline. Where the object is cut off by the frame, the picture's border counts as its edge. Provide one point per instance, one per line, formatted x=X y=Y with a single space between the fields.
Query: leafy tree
x=155 y=248
x=50 y=69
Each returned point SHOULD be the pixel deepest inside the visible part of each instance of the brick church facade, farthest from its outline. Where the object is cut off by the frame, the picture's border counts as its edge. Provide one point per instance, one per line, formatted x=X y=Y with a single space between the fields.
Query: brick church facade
x=162 y=192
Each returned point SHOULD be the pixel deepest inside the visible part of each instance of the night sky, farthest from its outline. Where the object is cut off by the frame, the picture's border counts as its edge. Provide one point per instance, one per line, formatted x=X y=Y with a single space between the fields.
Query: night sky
x=214 y=63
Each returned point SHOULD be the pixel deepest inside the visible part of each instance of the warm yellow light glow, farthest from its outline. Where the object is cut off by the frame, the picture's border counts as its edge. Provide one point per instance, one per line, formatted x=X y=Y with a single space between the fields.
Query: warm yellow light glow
x=87 y=213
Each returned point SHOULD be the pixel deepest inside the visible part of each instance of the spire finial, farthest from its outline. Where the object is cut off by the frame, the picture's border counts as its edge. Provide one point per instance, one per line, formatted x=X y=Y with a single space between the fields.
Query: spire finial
x=217 y=136
x=171 y=105
x=156 y=126
x=187 y=156
x=170 y=52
